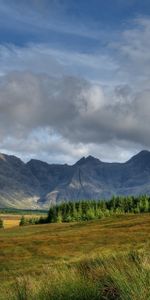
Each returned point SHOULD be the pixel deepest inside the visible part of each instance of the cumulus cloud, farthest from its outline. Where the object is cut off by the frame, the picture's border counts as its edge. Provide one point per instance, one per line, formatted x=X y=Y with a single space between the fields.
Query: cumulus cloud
x=46 y=109
x=74 y=109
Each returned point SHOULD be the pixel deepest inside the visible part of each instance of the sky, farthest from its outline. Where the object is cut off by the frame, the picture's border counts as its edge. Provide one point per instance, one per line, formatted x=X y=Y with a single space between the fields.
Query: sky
x=74 y=79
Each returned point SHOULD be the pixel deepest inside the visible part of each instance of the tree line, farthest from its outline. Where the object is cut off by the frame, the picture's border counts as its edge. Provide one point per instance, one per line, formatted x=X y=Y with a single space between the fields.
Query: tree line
x=91 y=209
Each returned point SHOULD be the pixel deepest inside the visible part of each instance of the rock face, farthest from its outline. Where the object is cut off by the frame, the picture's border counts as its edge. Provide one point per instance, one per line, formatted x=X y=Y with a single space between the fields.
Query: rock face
x=37 y=184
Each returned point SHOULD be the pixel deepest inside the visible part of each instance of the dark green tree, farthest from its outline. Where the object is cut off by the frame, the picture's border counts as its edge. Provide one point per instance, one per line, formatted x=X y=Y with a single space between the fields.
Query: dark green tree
x=1 y=223
x=22 y=221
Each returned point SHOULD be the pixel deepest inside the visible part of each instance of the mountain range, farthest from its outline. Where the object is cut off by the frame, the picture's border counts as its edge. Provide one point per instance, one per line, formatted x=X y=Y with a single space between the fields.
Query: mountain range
x=36 y=184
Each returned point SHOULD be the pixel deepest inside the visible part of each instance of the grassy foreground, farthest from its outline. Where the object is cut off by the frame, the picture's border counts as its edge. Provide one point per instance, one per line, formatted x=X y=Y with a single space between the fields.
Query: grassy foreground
x=104 y=259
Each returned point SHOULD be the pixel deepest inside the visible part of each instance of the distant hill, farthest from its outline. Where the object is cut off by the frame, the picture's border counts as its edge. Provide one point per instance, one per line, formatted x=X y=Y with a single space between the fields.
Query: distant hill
x=36 y=184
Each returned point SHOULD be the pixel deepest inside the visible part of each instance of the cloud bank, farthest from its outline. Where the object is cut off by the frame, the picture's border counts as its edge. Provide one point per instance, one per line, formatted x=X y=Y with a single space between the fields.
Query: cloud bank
x=59 y=105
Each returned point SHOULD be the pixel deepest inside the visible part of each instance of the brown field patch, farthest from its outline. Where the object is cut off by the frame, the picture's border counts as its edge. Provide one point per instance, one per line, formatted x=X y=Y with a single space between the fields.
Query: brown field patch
x=11 y=220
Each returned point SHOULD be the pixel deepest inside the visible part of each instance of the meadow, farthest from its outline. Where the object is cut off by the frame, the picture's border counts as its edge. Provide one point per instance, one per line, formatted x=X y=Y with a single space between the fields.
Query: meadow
x=99 y=259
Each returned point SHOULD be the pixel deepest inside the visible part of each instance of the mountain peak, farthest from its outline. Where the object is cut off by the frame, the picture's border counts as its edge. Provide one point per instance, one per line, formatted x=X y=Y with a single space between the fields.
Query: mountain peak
x=81 y=161
x=10 y=160
x=142 y=156
x=91 y=158
x=88 y=159
x=144 y=152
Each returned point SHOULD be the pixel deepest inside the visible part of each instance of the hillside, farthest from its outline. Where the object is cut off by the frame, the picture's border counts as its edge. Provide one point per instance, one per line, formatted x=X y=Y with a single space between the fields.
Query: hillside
x=36 y=184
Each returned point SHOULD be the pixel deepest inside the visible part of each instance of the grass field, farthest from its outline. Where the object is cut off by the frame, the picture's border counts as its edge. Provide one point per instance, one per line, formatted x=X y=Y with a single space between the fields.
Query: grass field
x=31 y=250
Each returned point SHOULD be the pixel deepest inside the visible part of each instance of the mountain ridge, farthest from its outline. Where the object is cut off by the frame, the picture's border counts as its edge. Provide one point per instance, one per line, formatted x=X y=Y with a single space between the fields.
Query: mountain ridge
x=37 y=184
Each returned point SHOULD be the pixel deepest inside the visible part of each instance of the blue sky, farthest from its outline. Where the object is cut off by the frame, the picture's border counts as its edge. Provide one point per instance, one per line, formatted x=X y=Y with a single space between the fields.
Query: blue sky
x=80 y=25
x=74 y=78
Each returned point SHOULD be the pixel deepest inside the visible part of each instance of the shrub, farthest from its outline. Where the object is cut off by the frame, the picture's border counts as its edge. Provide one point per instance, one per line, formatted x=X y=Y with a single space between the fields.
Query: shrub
x=22 y=221
x=59 y=218
x=68 y=219
x=100 y=214
x=1 y=223
x=90 y=214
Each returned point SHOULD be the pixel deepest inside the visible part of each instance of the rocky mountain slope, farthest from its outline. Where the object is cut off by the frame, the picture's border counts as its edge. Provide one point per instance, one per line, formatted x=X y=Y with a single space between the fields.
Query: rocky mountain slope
x=37 y=184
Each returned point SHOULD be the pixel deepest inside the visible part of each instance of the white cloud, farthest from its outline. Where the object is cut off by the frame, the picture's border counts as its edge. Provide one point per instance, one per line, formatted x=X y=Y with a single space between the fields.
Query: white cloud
x=76 y=111
x=41 y=90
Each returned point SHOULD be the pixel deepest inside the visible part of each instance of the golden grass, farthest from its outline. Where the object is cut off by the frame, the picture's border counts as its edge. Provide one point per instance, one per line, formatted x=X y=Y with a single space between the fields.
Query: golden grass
x=11 y=220
x=117 y=277
x=29 y=250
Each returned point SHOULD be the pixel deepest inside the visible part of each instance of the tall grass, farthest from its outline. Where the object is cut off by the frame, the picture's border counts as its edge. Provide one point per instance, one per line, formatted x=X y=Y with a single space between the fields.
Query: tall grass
x=118 y=277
